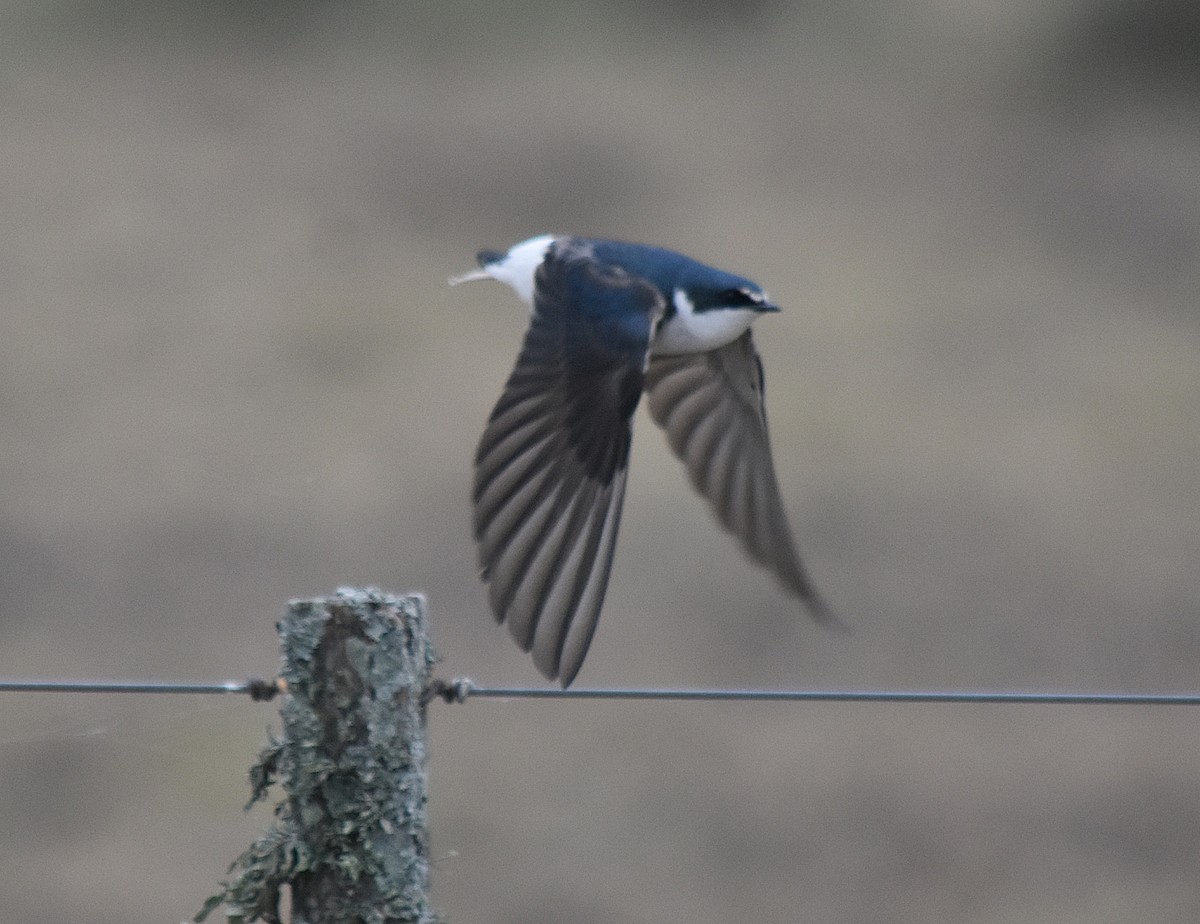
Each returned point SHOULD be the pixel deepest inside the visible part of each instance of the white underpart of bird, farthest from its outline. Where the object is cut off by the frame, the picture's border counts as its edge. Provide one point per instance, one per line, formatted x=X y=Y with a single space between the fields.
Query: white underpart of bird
x=609 y=321
x=690 y=331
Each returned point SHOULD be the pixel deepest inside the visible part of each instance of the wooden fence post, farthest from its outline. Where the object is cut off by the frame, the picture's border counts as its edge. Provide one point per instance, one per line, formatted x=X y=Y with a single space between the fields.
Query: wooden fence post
x=351 y=839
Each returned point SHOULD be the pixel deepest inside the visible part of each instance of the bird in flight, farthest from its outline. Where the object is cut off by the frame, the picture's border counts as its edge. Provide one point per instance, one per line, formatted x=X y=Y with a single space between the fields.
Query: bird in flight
x=611 y=320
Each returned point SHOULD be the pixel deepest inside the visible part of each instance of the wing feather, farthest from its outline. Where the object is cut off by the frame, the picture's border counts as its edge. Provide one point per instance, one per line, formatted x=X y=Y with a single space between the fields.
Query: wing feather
x=551 y=466
x=711 y=407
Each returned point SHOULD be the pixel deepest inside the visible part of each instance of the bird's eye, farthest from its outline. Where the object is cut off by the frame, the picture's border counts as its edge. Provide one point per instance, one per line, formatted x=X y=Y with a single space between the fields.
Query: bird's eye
x=740 y=298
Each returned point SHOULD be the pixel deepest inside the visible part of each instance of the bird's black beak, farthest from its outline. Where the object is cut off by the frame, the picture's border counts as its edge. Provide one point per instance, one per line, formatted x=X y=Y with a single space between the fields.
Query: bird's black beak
x=767 y=308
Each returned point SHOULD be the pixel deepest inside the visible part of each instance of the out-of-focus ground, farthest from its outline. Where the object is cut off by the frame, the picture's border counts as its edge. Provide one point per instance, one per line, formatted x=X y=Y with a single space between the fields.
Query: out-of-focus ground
x=231 y=373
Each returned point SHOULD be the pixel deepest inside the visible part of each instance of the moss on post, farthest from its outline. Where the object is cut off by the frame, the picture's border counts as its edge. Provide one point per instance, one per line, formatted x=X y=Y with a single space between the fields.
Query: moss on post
x=351 y=838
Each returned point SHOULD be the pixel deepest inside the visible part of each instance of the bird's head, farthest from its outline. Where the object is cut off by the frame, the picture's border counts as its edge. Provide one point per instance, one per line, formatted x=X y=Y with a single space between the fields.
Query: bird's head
x=707 y=308
x=720 y=295
x=710 y=289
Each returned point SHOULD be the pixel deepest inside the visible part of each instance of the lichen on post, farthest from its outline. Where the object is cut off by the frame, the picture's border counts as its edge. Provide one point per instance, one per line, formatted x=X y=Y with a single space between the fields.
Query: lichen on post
x=351 y=838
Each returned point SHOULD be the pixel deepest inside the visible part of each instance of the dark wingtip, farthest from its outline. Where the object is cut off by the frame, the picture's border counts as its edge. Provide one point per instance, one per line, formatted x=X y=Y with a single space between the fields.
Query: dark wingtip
x=825 y=616
x=567 y=677
x=487 y=257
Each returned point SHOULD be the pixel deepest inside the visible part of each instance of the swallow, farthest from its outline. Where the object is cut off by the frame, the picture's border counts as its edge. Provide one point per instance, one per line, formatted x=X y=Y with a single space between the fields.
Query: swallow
x=610 y=321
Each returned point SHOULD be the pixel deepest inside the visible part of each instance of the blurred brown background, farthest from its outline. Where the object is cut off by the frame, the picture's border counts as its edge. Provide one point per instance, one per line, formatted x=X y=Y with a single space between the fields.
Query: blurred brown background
x=231 y=373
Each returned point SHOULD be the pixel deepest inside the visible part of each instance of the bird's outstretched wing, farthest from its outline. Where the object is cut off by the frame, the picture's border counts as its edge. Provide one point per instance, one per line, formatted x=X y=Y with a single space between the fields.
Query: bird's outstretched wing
x=711 y=407
x=551 y=465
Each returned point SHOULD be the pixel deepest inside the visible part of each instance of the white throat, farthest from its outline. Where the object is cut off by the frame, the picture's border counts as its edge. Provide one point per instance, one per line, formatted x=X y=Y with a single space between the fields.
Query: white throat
x=691 y=331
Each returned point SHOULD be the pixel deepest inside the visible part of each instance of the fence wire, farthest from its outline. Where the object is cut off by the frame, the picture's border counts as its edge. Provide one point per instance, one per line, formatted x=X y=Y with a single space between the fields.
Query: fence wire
x=255 y=688
x=461 y=689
